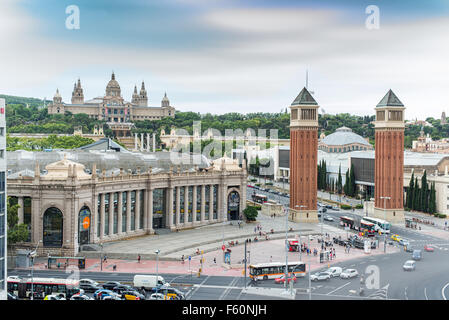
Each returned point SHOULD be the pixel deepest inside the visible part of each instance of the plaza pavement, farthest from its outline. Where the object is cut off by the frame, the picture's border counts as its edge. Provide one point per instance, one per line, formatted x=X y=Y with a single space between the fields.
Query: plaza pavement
x=208 y=239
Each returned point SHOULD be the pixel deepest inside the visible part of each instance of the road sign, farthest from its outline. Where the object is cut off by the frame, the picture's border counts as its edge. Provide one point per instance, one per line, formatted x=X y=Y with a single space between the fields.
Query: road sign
x=223 y=247
x=190 y=258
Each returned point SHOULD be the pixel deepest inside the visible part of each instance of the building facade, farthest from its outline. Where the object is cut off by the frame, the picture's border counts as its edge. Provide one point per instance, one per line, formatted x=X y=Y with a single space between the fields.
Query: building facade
x=303 y=158
x=389 y=158
x=67 y=207
x=3 y=218
x=111 y=107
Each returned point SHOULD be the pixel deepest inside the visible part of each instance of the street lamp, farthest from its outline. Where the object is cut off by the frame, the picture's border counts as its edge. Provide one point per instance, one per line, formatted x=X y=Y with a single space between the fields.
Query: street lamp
x=157 y=271
x=101 y=257
x=385 y=216
x=32 y=255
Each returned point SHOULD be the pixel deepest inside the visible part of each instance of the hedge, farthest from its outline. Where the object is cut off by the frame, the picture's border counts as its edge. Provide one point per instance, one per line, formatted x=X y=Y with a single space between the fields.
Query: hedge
x=345 y=207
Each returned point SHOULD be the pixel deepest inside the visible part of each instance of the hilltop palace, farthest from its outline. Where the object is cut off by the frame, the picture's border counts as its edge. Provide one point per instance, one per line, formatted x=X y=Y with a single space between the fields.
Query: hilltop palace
x=112 y=108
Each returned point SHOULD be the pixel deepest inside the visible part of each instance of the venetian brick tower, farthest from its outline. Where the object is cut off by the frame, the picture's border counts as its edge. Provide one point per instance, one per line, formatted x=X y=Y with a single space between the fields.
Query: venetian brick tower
x=389 y=159
x=303 y=158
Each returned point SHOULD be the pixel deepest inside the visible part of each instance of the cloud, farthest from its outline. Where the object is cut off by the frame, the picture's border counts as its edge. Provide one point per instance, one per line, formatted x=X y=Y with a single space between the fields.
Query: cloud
x=257 y=62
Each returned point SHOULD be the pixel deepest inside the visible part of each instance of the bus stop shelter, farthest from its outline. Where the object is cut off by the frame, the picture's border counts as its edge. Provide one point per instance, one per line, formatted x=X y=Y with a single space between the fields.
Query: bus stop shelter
x=64 y=262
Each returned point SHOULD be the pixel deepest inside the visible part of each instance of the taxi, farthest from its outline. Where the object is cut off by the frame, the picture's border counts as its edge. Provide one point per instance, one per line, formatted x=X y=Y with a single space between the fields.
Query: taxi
x=396 y=237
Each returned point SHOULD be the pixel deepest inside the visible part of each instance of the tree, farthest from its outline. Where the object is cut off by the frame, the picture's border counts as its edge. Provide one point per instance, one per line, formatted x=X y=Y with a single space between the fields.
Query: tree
x=353 y=187
x=424 y=192
x=16 y=232
x=339 y=181
x=250 y=213
x=410 y=192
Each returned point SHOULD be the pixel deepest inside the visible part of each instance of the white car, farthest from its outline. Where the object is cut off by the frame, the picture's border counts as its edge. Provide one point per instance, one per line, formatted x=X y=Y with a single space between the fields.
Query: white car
x=328 y=218
x=157 y=296
x=334 y=271
x=80 y=297
x=89 y=281
x=53 y=297
x=320 y=276
x=409 y=265
x=349 y=273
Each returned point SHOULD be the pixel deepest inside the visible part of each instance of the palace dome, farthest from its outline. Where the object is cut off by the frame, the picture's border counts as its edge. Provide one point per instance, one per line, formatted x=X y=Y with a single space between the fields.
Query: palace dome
x=344 y=136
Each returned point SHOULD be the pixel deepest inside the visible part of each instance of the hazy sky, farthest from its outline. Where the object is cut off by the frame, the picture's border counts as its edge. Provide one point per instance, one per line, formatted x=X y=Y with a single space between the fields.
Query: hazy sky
x=223 y=56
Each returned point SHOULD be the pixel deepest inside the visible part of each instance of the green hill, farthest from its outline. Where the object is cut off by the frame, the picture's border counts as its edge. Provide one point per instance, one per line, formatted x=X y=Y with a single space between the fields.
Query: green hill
x=24 y=101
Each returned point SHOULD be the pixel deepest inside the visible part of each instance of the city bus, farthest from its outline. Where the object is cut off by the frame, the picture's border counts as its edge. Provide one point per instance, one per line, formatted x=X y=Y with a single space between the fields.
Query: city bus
x=367 y=228
x=346 y=221
x=259 y=198
x=21 y=287
x=381 y=226
x=273 y=270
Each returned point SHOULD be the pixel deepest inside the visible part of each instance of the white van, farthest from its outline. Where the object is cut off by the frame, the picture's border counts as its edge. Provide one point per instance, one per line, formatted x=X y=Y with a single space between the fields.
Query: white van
x=148 y=281
x=334 y=271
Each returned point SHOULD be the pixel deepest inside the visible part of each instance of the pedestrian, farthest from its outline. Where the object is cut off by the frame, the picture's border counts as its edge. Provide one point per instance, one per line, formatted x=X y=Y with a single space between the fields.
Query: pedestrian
x=275 y=215
x=255 y=229
x=215 y=260
x=138 y=258
x=271 y=258
x=105 y=258
x=114 y=267
x=182 y=259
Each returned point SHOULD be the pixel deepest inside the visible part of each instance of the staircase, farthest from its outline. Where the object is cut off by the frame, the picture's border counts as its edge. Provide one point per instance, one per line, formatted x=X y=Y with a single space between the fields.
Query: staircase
x=128 y=142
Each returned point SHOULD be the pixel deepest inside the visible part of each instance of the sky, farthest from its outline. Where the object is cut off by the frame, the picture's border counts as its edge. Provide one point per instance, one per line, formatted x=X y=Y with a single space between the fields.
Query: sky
x=222 y=56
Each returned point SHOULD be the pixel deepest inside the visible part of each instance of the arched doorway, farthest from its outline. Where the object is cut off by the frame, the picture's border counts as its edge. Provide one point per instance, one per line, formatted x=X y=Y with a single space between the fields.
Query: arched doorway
x=84 y=222
x=53 y=228
x=234 y=205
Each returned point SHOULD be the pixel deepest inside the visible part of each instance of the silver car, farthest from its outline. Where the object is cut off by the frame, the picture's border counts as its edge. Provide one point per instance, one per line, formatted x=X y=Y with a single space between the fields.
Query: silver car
x=409 y=265
x=320 y=276
x=349 y=273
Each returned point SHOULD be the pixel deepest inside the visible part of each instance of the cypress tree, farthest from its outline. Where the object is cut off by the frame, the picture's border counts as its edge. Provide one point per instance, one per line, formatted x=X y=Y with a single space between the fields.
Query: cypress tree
x=410 y=192
x=347 y=183
x=416 y=195
x=424 y=193
x=352 y=180
x=339 y=181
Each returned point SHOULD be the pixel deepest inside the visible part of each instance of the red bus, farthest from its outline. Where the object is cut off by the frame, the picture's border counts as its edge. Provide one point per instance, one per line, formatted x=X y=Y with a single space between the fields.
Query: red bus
x=367 y=228
x=347 y=222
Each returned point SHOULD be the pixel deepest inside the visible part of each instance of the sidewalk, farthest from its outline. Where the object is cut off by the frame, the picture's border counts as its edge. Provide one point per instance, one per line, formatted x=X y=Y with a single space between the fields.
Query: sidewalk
x=258 y=252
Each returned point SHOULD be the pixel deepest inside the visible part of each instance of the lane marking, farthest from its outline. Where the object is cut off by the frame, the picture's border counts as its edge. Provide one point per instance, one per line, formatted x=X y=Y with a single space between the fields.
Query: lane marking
x=442 y=291
x=425 y=293
x=405 y=292
x=338 y=288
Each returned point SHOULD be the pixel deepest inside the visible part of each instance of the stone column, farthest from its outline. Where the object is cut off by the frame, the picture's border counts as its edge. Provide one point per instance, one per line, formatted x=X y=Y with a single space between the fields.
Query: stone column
x=154 y=142
x=111 y=214
x=120 y=213
x=150 y=212
x=203 y=204
x=178 y=209
x=21 y=210
x=102 y=216
x=194 y=208
x=141 y=142
x=128 y=211
x=170 y=207
x=211 y=202
x=145 y=210
x=148 y=142
x=137 y=211
x=36 y=221
x=135 y=141
x=186 y=205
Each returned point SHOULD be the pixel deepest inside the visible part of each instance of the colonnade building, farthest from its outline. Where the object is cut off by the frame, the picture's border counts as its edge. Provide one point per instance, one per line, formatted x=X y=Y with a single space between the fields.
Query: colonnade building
x=68 y=205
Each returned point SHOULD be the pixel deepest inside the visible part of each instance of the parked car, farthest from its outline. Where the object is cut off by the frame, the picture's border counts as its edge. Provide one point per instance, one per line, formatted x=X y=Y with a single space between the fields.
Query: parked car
x=428 y=248
x=328 y=206
x=328 y=218
x=171 y=292
x=349 y=273
x=157 y=296
x=54 y=297
x=409 y=249
x=417 y=255
x=123 y=287
x=80 y=297
x=409 y=265
x=84 y=281
x=320 y=276
x=334 y=271
x=336 y=208
x=132 y=295
x=102 y=293
x=90 y=287
x=281 y=279
x=111 y=285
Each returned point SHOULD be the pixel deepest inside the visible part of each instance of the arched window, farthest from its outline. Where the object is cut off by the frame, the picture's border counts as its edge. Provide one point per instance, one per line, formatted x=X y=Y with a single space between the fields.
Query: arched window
x=84 y=221
x=53 y=228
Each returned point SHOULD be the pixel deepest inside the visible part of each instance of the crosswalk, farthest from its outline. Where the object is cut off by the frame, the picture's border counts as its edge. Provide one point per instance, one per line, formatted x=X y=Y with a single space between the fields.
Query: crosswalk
x=380 y=293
